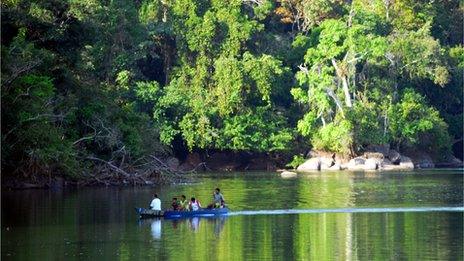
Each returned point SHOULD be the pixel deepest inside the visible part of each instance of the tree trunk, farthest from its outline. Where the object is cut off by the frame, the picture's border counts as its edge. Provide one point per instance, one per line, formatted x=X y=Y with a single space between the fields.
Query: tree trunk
x=345 y=85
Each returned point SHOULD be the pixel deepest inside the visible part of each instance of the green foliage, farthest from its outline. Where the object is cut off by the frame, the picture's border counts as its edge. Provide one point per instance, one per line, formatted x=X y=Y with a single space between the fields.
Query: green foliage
x=33 y=138
x=262 y=10
x=296 y=161
x=229 y=77
x=197 y=130
x=420 y=55
x=123 y=79
x=368 y=127
x=412 y=118
x=307 y=125
x=366 y=58
x=147 y=91
x=219 y=83
x=259 y=130
x=335 y=136
x=127 y=79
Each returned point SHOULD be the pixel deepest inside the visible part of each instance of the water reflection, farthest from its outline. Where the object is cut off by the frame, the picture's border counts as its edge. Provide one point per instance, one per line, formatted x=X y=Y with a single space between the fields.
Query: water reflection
x=218 y=224
x=101 y=223
x=193 y=224
x=156 y=228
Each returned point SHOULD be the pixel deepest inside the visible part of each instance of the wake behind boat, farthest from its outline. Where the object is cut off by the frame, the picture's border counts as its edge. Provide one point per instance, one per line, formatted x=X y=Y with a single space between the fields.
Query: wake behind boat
x=204 y=212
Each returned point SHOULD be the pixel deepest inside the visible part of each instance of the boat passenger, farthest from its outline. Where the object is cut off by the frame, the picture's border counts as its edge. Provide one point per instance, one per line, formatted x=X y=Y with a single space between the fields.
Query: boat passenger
x=155 y=203
x=183 y=203
x=218 y=199
x=194 y=204
x=175 y=204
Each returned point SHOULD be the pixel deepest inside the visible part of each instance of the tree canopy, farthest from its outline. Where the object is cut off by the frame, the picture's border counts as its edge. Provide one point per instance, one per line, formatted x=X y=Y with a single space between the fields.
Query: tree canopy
x=129 y=78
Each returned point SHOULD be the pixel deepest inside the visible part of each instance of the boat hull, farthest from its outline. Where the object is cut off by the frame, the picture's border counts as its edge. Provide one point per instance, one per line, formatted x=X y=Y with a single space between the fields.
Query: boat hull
x=148 y=213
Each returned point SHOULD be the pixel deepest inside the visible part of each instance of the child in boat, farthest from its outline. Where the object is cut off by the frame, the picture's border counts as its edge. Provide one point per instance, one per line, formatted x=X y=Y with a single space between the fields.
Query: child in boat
x=194 y=204
x=175 y=204
x=183 y=203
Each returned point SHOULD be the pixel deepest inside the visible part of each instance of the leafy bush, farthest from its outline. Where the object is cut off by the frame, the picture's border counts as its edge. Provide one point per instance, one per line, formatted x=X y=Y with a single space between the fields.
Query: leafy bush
x=366 y=126
x=259 y=130
x=336 y=136
x=411 y=119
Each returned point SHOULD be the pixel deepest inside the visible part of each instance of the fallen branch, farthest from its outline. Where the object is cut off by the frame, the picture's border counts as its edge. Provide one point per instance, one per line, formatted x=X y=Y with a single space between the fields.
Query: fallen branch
x=153 y=171
x=111 y=165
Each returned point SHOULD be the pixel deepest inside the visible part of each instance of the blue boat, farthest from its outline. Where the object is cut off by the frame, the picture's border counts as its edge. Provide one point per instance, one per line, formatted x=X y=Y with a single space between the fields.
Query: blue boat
x=204 y=212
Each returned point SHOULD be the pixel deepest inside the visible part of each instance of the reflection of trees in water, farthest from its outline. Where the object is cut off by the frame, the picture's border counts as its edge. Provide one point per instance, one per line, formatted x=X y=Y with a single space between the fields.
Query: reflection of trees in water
x=103 y=214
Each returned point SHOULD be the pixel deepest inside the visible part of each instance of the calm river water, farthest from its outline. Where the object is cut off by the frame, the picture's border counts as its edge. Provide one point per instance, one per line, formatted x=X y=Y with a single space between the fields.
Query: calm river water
x=333 y=216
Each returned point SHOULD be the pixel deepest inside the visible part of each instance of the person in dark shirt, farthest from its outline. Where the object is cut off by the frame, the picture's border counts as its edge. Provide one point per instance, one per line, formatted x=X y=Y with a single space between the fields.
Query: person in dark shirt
x=218 y=199
x=175 y=204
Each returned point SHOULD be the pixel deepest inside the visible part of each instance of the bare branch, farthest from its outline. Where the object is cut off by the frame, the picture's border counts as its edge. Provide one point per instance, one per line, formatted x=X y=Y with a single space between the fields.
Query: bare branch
x=18 y=72
x=337 y=101
x=110 y=165
x=303 y=68
x=253 y=2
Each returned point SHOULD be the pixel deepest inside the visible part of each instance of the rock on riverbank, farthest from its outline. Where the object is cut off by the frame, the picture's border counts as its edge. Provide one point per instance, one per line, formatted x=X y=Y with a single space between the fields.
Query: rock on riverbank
x=375 y=159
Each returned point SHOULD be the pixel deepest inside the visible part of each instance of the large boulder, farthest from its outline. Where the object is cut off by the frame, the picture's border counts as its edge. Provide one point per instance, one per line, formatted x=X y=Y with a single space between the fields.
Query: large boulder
x=384 y=164
x=335 y=167
x=356 y=164
x=328 y=158
x=288 y=174
x=326 y=163
x=310 y=165
x=357 y=161
x=373 y=155
x=406 y=163
x=394 y=157
x=371 y=164
x=313 y=154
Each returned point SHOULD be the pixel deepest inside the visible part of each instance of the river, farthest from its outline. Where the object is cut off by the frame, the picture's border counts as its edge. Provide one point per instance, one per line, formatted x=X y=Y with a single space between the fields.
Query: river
x=320 y=216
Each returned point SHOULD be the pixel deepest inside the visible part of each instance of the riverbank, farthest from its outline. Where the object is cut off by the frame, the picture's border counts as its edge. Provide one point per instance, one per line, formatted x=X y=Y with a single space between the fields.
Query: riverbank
x=185 y=170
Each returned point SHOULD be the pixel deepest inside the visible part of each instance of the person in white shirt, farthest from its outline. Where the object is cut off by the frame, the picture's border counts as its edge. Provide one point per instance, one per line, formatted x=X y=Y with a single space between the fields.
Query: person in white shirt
x=194 y=204
x=155 y=203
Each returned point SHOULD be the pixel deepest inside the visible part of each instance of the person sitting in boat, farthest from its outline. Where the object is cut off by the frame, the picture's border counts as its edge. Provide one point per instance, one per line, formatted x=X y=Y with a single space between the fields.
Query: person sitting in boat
x=155 y=203
x=218 y=199
x=194 y=204
x=175 y=204
x=183 y=203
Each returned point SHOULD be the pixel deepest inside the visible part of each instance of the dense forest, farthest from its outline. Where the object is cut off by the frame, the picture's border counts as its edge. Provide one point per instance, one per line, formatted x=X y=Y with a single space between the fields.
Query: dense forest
x=90 y=82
